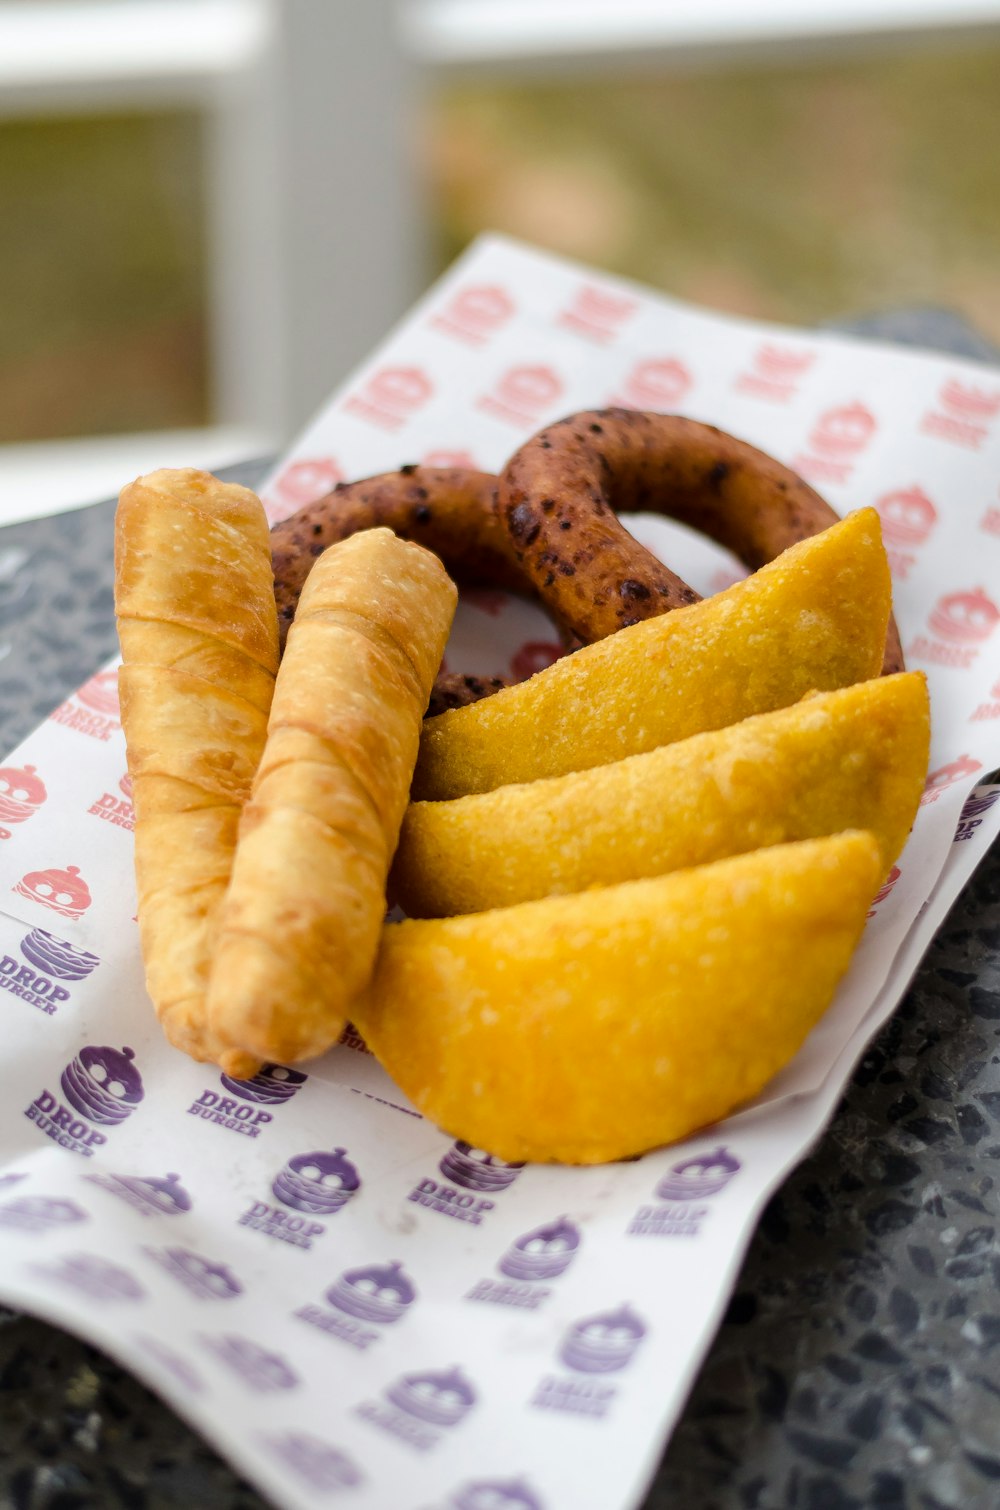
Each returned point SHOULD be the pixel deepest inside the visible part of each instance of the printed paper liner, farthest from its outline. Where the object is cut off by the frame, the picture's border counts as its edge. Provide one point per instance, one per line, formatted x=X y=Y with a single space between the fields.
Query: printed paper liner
x=346 y=1303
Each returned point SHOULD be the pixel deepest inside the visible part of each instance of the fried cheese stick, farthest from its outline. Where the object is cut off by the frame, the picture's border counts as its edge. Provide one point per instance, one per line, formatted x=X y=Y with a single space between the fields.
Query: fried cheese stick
x=199 y=639
x=301 y=921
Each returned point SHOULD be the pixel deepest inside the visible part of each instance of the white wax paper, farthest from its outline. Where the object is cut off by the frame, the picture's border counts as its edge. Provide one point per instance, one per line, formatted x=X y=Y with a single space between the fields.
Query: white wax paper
x=346 y=1304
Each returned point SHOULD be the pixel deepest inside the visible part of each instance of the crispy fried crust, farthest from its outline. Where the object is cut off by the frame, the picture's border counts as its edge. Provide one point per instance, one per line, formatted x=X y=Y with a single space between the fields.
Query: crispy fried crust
x=199 y=638
x=593 y=1027
x=300 y=923
x=854 y=758
x=813 y=619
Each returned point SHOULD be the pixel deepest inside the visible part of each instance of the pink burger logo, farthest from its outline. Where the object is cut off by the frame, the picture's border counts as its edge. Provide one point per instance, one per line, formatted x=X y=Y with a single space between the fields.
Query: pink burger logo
x=959 y=625
x=835 y=443
x=884 y=890
x=947 y=775
x=774 y=372
x=391 y=397
x=93 y=708
x=63 y=891
x=988 y=710
x=300 y=483
x=22 y=792
x=523 y=394
x=963 y=415
x=654 y=383
x=474 y=314
x=908 y=518
x=597 y=314
x=116 y=810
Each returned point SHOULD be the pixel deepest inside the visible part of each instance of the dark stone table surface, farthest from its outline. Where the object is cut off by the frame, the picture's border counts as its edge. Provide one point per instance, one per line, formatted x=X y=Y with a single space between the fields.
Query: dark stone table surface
x=858 y=1366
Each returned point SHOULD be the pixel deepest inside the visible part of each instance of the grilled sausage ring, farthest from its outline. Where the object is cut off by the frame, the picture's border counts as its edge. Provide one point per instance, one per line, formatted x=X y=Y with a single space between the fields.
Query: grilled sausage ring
x=560 y=493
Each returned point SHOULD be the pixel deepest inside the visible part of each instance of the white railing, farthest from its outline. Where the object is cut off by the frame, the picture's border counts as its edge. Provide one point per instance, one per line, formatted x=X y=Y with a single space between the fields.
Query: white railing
x=315 y=229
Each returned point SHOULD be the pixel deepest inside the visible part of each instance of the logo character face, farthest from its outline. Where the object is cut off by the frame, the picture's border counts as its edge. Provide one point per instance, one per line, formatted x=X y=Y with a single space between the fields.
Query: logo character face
x=400 y=388
x=604 y=1343
x=317 y=1182
x=530 y=388
x=475 y=1169
x=658 y=382
x=908 y=516
x=304 y=481
x=65 y=891
x=22 y=793
x=379 y=1294
x=272 y=1084
x=439 y=1398
x=544 y=1253
x=968 y=617
x=846 y=429
x=55 y=957
x=700 y=1176
x=483 y=308
x=102 y=1084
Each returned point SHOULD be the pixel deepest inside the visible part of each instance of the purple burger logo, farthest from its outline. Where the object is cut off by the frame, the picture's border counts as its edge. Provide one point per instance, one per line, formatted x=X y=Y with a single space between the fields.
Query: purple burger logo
x=422 y=1406
x=102 y=1086
x=255 y=1367
x=495 y=1494
x=177 y=1367
x=50 y=960
x=318 y=1183
x=380 y=1294
x=315 y=1462
x=604 y=1343
x=371 y=1297
x=544 y=1253
x=272 y=1085
x=93 y=1277
x=471 y=1169
x=201 y=1277
x=475 y=1169
x=150 y=1196
x=702 y=1175
x=974 y=810
x=684 y=1188
x=55 y=957
x=240 y=1111
x=39 y=1213
x=442 y=1398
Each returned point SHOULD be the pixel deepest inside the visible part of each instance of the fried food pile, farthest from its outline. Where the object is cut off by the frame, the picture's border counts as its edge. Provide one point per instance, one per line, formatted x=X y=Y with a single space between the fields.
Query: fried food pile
x=633 y=882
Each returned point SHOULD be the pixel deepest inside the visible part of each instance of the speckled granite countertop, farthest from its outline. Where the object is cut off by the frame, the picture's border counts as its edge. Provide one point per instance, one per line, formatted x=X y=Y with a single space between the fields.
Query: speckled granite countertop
x=858 y=1367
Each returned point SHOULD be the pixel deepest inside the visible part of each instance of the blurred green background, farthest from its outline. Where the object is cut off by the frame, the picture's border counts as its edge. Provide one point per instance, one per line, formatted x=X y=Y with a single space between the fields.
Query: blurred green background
x=796 y=194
